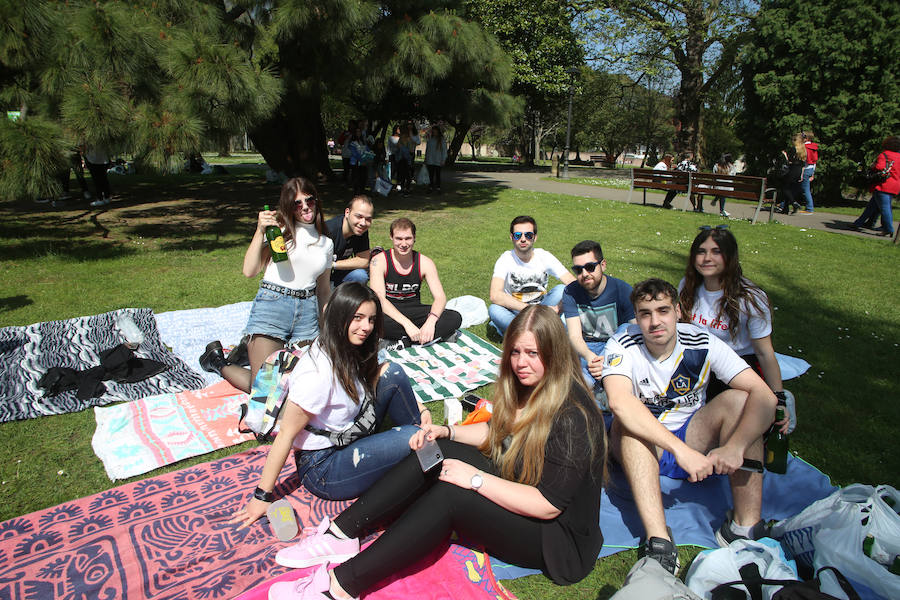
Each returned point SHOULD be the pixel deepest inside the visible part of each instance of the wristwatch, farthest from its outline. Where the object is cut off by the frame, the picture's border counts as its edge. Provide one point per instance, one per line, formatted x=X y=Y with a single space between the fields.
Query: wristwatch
x=261 y=494
x=477 y=481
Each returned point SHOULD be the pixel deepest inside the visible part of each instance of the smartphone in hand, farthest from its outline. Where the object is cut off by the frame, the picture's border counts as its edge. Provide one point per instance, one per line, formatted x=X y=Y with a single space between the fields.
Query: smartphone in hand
x=429 y=455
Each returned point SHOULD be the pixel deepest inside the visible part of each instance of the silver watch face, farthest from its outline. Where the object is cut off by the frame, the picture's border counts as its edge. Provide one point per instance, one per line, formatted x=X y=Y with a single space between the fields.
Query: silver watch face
x=477 y=481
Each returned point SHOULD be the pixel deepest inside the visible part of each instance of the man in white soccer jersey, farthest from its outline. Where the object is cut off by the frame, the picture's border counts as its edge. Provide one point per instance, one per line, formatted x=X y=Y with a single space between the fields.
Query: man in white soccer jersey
x=655 y=375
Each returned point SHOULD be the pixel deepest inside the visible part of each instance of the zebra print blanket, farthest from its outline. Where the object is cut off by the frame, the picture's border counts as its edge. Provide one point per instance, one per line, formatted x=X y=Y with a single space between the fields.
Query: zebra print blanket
x=27 y=352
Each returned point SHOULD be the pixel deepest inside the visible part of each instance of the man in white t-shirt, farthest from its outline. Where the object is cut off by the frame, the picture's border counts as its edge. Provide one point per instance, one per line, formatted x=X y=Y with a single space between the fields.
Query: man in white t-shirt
x=655 y=375
x=665 y=163
x=521 y=276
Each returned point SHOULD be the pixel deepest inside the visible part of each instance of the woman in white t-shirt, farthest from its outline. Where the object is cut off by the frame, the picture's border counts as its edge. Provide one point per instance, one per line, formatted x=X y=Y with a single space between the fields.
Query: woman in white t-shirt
x=715 y=294
x=288 y=305
x=338 y=395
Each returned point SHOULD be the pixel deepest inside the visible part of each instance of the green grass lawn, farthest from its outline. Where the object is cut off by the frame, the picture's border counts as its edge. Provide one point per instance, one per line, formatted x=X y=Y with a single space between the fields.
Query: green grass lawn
x=178 y=242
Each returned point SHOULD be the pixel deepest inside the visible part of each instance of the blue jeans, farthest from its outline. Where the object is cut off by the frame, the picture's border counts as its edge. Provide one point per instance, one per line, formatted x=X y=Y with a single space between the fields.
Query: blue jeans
x=501 y=316
x=345 y=473
x=597 y=348
x=879 y=202
x=283 y=317
x=359 y=275
x=808 y=172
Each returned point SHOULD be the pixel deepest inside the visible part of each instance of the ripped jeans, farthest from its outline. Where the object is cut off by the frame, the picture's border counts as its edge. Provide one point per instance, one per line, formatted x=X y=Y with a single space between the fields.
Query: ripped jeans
x=345 y=473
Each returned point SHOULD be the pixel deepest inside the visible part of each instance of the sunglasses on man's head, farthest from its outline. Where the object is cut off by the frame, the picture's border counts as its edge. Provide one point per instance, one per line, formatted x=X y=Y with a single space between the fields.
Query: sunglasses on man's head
x=590 y=267
x=529 y=235
x=311 y=201
x=708 y=227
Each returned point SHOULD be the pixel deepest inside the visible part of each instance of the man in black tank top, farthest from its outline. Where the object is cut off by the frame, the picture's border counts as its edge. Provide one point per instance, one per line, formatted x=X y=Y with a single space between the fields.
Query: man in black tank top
x=396 y=277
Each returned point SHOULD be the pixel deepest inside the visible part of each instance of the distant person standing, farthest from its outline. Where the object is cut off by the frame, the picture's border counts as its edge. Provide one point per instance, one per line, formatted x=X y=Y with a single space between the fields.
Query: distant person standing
x=344 y=142
x=793 y=160
x=97 y=162
x=435 y=156
x=883 y=193
x=809 y=170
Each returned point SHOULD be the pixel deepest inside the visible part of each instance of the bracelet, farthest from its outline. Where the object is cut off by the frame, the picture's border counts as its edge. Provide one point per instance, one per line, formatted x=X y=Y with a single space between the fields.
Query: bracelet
x=452 y=431
x=424 y=410
x=431 y=314
x=261 y=494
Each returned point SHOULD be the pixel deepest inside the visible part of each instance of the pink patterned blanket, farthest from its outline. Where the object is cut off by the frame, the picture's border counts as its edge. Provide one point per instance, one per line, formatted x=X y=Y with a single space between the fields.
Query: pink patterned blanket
x=167 y=537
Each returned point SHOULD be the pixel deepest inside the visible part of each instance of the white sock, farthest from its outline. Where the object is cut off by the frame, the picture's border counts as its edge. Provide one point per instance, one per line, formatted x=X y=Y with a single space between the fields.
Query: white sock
x=334 y=530
x=743 y=530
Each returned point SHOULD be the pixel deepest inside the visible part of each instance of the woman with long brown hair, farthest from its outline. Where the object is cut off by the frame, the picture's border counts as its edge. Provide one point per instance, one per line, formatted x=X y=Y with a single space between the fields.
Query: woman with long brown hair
x=292 y=294
x=525 y=487
x=338 y=395
x=714 y=294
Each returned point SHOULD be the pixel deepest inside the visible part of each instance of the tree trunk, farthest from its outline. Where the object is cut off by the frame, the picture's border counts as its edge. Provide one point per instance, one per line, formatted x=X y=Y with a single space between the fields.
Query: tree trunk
x=293 y=140
x=689 y=99
x=460 y=131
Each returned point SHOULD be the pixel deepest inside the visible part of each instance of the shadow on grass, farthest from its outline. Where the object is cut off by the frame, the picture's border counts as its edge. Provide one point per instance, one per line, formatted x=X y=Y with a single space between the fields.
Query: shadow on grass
x=76 y=249
x=14 y=302
x=185 y=212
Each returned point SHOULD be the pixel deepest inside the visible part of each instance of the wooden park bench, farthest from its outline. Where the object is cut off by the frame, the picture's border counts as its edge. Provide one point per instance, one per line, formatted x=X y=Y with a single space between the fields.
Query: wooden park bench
x=744 y=187
x=651 y=179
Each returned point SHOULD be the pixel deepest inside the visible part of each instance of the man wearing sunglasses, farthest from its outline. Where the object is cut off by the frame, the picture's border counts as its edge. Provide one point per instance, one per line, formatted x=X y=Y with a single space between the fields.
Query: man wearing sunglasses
x=350 y=234
x=521 y=276
x=595 y=305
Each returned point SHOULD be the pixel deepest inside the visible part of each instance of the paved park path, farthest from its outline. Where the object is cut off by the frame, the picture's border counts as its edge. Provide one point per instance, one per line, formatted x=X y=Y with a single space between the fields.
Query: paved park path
x=534 y=181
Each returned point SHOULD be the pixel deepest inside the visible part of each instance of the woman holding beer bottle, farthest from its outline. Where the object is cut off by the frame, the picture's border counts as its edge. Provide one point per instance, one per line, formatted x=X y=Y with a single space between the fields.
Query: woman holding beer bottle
x=293 y=292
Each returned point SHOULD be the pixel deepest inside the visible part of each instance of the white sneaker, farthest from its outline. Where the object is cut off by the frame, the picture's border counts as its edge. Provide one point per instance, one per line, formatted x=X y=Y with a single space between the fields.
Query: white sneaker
x=725 y=213
x=101 y=202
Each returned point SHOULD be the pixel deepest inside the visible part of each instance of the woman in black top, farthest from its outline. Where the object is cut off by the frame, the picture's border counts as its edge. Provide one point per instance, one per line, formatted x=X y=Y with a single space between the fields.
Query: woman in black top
x=524 y=487
x=792 y=162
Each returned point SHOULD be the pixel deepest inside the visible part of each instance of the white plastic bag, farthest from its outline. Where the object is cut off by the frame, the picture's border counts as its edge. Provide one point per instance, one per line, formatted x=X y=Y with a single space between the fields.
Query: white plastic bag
x=796 y=533
x=382 y=186
x=473 y=310
x=422 y=178
x=839 y=543
x=648 y=580
x=714 y=567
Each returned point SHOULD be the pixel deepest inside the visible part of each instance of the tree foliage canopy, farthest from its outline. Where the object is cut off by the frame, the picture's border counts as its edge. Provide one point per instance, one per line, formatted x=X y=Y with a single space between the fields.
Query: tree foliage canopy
x=156 y=78
x=829 y=66
x=699 y=38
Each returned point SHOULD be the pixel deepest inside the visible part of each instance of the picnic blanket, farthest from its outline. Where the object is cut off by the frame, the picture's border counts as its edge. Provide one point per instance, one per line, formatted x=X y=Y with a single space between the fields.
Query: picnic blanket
x=137 y=437
x=26 y=353
x=447 y=369
x=167 y=537
x=694 y=511
x=442 y=579
x=187 y=332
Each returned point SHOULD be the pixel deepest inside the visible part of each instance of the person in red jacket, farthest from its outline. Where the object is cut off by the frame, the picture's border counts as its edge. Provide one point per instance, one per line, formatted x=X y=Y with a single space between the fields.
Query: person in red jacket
x=809 y=170
x=883 y=193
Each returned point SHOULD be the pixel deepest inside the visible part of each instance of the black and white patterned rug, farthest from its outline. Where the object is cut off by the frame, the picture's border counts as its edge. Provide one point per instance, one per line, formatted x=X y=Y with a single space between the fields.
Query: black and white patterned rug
x=26 y=353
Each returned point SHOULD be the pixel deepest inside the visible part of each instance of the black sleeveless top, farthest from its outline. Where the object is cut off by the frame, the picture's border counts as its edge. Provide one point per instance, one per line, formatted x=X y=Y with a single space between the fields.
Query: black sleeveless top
x=403 y=288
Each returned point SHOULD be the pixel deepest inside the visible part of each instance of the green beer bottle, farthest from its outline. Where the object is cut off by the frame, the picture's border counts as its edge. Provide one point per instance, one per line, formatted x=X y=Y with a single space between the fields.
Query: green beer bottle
x=777 y=446
x=276 y=241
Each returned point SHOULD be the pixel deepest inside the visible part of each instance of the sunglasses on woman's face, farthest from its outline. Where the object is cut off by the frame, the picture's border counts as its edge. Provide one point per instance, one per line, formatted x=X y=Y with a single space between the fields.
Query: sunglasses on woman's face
x=708 y=227
x=529 y=235
x=311 y=201
x=590 y=267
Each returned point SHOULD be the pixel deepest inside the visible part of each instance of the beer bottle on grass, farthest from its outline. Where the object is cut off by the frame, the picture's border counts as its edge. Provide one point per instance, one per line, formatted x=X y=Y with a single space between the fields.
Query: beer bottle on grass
x=777 y=446
x=276 y=241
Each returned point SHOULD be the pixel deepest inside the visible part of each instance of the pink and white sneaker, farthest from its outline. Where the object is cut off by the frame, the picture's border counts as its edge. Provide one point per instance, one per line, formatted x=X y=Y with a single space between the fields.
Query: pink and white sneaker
x=318 y=548
x=313 y=587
